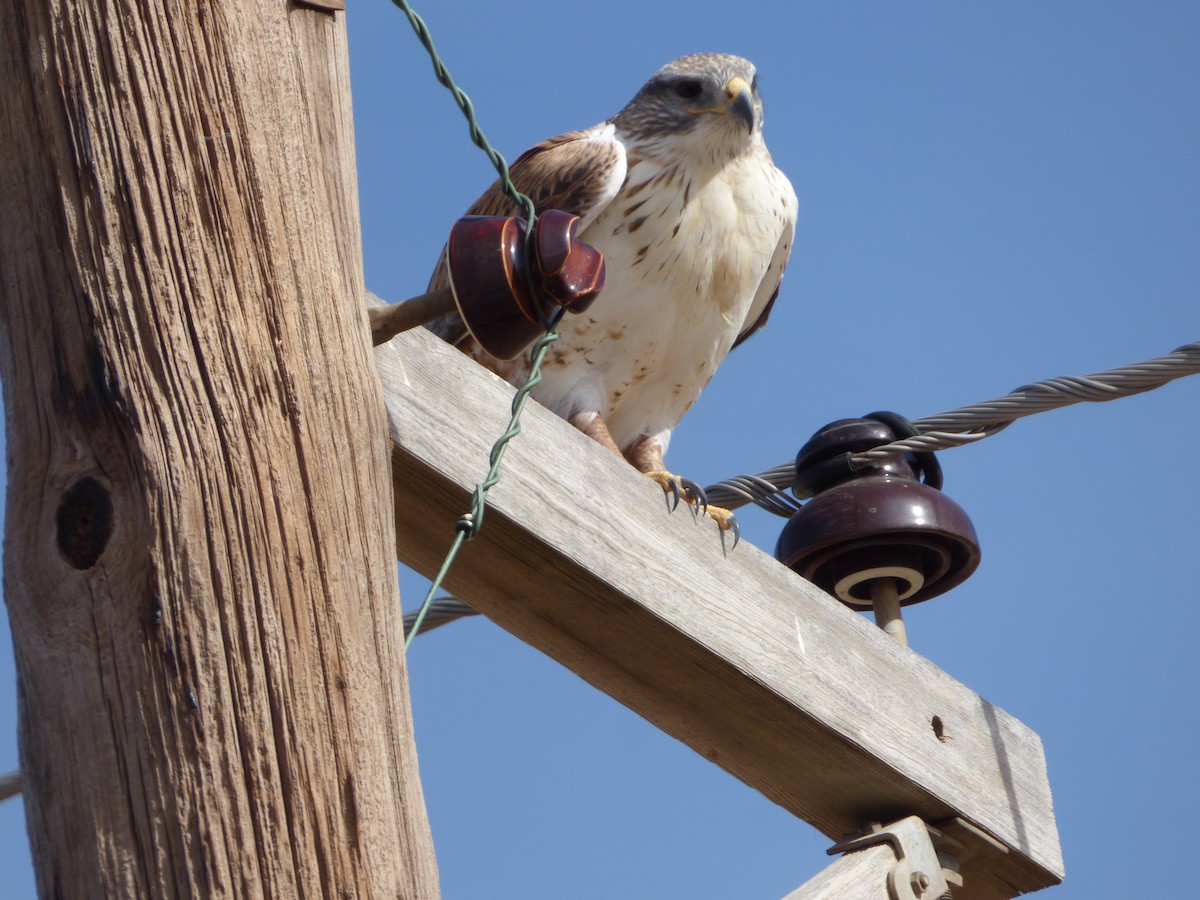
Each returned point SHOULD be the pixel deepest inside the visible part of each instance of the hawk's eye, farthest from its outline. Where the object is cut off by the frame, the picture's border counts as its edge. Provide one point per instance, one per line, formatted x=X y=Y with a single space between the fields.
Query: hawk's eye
x=689 y=89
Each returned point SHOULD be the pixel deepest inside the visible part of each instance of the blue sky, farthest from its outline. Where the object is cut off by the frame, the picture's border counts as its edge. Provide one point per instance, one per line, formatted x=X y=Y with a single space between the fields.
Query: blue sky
x=990 y=194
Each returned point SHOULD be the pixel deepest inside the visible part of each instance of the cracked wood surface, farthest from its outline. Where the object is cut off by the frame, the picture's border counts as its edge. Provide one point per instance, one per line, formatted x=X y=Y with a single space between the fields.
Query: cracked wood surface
x=199 y=564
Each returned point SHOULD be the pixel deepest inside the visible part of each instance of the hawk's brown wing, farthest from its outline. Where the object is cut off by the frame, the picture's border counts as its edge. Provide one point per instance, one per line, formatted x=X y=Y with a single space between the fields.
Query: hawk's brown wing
x=578 y=172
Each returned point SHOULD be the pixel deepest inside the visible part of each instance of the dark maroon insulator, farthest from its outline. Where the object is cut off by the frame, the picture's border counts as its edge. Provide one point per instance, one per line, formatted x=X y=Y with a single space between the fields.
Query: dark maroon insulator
x=873 y=521
x=486 y=256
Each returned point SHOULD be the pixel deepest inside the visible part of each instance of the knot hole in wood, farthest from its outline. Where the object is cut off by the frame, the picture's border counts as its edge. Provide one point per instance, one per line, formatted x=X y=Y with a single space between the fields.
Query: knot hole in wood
x=84 y=522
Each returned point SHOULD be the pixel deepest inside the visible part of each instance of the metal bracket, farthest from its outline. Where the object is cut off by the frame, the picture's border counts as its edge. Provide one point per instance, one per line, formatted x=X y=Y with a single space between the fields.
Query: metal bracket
x=918 y=873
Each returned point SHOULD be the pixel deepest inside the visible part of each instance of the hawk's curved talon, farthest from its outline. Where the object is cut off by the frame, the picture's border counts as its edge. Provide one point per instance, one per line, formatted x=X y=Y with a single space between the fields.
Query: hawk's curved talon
x=737 y=533
x=695 y=496
x=726 y=521
x=697 y=501
x=673 y=493
x=672 y=486
x=678 y=489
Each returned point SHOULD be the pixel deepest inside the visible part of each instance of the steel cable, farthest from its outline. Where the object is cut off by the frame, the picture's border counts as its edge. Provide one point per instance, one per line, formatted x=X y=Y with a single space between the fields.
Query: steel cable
x=972 y=423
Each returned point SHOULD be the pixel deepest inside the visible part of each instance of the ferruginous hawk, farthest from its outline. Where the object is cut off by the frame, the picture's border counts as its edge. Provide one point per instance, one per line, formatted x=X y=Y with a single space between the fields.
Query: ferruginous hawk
x=696 y=224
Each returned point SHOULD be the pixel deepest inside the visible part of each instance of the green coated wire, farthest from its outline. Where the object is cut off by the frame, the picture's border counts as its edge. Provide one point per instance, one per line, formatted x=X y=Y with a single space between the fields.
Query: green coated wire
x=468 y=110
x=468 y=524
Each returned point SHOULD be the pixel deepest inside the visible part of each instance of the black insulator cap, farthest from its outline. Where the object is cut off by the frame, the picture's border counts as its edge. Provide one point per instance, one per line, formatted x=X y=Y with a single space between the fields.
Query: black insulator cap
x=874 y=521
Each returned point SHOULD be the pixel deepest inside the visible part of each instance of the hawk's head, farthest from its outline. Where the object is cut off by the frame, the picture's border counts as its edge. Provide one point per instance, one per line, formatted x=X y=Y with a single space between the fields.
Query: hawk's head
x=710 y=99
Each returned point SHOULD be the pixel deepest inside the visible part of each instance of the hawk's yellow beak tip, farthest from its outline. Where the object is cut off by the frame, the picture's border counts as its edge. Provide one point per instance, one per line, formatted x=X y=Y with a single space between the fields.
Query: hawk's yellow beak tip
x=740 y=100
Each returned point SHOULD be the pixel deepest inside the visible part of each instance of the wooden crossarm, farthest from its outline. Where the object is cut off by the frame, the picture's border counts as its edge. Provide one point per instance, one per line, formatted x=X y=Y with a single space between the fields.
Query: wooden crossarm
x=739 y=658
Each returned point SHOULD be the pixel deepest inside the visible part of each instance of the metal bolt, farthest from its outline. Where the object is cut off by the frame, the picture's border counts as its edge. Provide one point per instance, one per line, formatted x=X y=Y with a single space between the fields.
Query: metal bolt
x=919 y=882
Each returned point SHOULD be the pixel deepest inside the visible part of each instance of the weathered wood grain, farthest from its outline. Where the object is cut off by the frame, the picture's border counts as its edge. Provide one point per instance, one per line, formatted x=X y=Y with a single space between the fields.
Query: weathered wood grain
x=199 y=563
x=737 y=657
x=861 y=875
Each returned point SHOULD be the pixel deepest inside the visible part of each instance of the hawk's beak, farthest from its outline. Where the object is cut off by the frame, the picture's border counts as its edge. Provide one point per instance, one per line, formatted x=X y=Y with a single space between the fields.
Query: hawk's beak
x=740 y=100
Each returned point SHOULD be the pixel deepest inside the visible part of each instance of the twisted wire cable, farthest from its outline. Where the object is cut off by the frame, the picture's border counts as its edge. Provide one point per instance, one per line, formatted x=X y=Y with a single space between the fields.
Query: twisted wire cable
x=969 y=424
x=441 y=611
x=469 y=524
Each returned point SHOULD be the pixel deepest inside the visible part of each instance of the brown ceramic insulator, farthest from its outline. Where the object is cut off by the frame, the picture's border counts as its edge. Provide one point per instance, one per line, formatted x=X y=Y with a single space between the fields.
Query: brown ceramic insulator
x=490 y=287
x=487 y=275
x=873 y=523
x=571 y=271
x=486 y=256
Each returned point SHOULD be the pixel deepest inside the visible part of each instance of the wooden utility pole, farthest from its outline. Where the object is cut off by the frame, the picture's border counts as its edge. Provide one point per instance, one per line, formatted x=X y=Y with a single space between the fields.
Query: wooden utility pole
x=199 y=557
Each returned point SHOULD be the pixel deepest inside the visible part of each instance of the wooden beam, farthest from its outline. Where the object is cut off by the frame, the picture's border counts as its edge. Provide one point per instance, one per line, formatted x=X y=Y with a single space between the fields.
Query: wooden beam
x=861 y=875
x=199 y=564
x=736 y=656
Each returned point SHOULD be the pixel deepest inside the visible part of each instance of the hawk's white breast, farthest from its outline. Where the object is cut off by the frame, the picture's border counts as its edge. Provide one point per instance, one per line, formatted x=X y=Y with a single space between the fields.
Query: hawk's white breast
x=693 y=250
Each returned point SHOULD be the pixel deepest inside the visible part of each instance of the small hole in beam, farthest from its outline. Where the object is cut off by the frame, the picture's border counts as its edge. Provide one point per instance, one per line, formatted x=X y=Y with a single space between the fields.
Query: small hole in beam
x=939 y=729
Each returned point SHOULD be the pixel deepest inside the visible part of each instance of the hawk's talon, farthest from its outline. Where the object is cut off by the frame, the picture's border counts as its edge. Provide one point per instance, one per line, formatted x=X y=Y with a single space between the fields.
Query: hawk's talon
x=695 y=495
x=726 y=521
x=677 y=488
x=673 y=494
x=671 y=485
x=737 y=533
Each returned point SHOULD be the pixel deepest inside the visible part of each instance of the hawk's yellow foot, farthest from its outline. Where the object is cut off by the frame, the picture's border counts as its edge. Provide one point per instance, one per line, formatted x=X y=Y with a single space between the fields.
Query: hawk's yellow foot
x=676 y=487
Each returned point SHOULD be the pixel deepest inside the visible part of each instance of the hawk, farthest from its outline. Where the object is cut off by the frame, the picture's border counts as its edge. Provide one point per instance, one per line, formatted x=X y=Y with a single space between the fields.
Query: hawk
x=696 y=225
